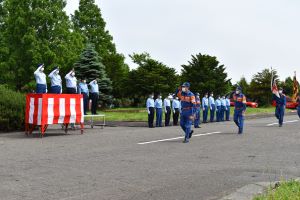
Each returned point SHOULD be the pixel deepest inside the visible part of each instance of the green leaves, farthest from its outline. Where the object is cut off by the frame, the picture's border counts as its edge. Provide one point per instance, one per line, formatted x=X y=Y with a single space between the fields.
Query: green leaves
x=206 y=75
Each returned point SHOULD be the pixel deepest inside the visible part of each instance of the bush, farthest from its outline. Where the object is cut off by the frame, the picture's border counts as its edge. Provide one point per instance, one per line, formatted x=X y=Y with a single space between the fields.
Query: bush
x=12 y=109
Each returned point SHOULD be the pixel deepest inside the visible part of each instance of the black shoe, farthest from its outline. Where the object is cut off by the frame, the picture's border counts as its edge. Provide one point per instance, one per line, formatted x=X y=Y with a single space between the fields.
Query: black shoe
x=197 y=127
x=280 y=125
x=185 y=141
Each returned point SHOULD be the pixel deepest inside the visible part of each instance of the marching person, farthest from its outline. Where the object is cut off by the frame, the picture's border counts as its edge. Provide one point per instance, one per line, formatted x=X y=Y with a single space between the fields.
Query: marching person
x=158 y=108
x=176 y=110
x=298 y=108
x=227 y=108
x=94 y=91
x=280 y=106
x=150 y=110
x=40 y=77
x=167 y=107
x=218 y=108
x=197 y=111
x=71 y=82
x=223 y=108
x=188 y=104
x=205 y=107
x=239 y=109
x=212 y=107
x=84 y=90
x=56 y=86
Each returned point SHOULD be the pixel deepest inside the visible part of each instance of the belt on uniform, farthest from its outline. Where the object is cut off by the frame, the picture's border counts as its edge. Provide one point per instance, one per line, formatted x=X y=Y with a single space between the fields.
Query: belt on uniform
x=187 y=108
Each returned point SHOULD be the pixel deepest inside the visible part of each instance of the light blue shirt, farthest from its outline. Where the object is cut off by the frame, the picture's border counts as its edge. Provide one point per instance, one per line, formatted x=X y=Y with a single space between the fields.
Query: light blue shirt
x=158 y=103
x=176 y=104
x=223 y=102
x=211 y=101
x=55 y=78
x=218 y=102
x=227 y=102
x=94 y=87
x=150 y=103
x=204 y=102
x=83 y=88
x=71 y=81
x=40 y=77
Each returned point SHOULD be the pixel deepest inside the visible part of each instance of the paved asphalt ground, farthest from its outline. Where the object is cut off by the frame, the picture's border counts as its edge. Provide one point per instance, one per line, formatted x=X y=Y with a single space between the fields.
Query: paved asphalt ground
x=115 y=162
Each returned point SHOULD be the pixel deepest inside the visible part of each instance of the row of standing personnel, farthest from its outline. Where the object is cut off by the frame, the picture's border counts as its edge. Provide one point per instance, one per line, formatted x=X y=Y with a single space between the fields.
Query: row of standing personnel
x=219 y=108
x=89 y=91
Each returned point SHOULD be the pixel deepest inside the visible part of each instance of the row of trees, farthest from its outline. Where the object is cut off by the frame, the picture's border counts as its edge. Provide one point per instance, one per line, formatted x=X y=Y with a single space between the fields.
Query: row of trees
x=35 y=31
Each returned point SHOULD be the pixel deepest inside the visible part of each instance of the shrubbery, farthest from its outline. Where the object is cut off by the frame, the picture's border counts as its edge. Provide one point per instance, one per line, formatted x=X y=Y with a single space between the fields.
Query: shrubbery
x=12 y=109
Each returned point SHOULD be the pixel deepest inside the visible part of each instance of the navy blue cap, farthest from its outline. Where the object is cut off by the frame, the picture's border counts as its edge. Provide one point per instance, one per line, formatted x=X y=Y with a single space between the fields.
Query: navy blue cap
x=186 y=84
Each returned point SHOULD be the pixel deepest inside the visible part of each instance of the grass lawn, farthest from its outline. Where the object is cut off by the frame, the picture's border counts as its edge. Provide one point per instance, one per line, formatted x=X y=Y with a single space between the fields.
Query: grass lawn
x=140 y=114
x=289 y=190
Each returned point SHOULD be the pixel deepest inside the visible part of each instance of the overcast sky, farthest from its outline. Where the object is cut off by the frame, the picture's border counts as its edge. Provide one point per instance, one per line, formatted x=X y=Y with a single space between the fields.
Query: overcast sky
x=245 y=35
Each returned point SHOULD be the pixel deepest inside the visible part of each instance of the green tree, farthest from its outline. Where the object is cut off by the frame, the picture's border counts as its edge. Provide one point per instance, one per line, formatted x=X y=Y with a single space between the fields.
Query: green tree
x=260 y=87
x=206 y=75
x=38 y=32
x=89 y=66
x=88 y=21
x=151 y=76
x=287 y=86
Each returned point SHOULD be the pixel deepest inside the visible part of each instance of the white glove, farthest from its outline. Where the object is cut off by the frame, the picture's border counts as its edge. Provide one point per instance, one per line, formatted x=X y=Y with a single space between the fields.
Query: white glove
x=211 y=108
x=46 y=90
x=149 y=112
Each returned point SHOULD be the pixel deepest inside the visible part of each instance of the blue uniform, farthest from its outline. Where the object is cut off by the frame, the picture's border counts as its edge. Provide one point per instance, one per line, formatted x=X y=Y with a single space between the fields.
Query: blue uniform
x=239 y=110
x=205 y=108
x=212 y=107
x=83 y=89
x=188 y=104
x=223 y=109
x=176 y=110
x=218 y=109
x=41 y=83
x=197 y=112
x=280 y=107
x=227 y=109
x=158 y=107
x=56 y=87
x=150 y=110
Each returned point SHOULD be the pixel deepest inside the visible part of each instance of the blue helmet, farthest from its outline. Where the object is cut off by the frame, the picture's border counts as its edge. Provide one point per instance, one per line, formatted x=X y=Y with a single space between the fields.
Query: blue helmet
x=186 y=84
x=239 y=88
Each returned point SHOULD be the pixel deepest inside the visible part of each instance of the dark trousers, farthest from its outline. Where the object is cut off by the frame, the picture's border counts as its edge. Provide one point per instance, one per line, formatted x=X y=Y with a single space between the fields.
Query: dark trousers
x=227 y=113
x=94 y=97
x=218 y=113
x=85 y=102
x=238 y=118
x=71 y=90
x=158 y=117
x=212 y=112
x=205 y=112
x=175 y=117
x=56 y=89
x=223 y=109
x=167 y=116
x=151 y=117
x=40 y=89
x=279 y=113
x=197 y=118
x=298 y=109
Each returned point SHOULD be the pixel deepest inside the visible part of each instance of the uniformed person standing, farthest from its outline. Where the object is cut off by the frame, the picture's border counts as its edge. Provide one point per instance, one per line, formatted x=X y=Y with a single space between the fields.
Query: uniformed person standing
x=188 y=104
x=94 y=91
x=212 y=107
x=205 y=107
x=158 y=108
x=218 y=108
x=280 y=106
x=167 y=108
x=223 y=108
x=239 y=109
x=71 y=82
x=197 y=111
x=176 y=110
x=56 y=86
x=84 y=90
x=150 y=110
x=40 y=77
x=227 y=108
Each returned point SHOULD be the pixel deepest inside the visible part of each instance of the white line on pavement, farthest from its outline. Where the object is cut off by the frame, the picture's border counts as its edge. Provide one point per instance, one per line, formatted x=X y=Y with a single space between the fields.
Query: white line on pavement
x=292 y=121
x=169 y=139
